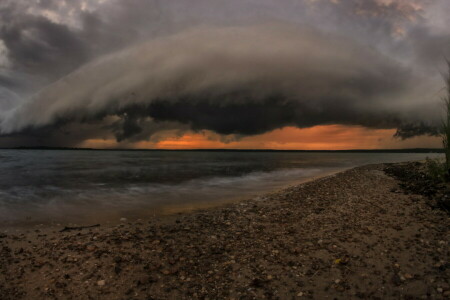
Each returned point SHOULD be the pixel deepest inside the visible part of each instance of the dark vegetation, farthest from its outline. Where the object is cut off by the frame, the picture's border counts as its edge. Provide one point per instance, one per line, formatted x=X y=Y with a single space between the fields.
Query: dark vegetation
x=440 y=171
x=446 y=125
x=431 y=178
x=419 y=178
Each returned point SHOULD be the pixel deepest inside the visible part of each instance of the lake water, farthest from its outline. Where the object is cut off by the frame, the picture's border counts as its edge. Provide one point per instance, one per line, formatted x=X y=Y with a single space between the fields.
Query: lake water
x=70 y=186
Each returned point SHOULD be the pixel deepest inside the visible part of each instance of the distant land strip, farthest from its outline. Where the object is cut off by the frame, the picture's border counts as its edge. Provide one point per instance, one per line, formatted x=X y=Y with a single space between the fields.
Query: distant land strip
x=406 y=150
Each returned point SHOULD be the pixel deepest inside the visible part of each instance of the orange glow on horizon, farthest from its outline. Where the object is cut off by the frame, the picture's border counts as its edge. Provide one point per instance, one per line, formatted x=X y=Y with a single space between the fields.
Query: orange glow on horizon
x=326 y=137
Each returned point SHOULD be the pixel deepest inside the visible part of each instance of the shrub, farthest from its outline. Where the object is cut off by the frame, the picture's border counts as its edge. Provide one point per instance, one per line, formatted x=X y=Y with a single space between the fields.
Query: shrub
x=445 y=130
x=436 y=169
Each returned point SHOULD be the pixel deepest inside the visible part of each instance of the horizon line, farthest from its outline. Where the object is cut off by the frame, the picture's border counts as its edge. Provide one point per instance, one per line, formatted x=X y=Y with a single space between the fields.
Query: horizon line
x=430 y=150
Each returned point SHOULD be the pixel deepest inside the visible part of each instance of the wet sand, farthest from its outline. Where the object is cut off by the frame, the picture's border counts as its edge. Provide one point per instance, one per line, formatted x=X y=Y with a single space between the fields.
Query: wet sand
x=353 y=235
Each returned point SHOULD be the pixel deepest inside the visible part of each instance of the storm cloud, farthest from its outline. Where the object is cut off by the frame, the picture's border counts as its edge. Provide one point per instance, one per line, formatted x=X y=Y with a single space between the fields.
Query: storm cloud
x=131 y=72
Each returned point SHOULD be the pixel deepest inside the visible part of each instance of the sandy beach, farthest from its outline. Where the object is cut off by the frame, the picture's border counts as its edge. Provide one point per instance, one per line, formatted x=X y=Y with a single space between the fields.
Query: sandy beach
x=352 y=235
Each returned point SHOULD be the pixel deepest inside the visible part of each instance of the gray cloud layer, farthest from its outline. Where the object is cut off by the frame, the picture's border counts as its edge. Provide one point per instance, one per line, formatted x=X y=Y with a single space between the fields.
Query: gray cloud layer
x=222 y=74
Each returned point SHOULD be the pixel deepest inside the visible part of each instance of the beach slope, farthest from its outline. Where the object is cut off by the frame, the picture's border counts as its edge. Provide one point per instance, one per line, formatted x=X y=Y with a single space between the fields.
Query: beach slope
x=352 y=235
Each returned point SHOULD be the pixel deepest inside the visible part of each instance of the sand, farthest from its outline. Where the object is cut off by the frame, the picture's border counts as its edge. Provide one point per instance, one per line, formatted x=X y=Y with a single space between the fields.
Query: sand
x=353 y=235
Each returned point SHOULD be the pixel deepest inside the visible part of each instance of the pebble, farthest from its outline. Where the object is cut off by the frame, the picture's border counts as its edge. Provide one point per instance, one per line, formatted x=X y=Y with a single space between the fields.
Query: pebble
x=101 y=283
x=226 y=253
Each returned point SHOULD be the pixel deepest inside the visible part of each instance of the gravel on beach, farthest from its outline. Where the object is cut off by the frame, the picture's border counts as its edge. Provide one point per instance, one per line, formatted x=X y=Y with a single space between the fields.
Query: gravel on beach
x=353 y=235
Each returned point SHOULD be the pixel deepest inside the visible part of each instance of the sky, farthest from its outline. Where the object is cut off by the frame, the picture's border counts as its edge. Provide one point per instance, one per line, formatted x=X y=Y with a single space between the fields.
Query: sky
x=246 y=74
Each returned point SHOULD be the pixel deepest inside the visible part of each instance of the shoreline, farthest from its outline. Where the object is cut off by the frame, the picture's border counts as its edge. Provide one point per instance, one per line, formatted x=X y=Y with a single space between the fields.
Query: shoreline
x=160 y=211
x=352 y=234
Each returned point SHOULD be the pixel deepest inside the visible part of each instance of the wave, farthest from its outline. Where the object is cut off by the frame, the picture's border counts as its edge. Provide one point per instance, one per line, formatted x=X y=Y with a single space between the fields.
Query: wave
x=49 y=202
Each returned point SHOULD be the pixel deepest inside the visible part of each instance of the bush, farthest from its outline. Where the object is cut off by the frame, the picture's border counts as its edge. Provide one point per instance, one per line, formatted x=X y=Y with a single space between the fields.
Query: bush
x=436 y=169
x=445 y=128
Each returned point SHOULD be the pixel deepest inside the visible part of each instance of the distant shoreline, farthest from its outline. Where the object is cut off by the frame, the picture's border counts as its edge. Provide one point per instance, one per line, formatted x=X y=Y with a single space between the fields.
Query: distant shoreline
x=407 y=150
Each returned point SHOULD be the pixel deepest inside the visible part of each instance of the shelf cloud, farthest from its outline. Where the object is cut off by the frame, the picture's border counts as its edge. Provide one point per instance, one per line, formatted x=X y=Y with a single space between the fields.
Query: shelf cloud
x=102 y=69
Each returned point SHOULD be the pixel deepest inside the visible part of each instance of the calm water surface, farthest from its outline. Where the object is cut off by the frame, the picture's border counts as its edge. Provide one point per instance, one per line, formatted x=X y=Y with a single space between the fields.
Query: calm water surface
x=46 y=186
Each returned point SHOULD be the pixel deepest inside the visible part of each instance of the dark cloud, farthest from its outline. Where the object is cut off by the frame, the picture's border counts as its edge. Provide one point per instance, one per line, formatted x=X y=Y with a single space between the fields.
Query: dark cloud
x=410 y=130
x=430 y=48
x=238 y=80
x=37 y=42
x=130 y=69
x=37 y=45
